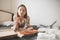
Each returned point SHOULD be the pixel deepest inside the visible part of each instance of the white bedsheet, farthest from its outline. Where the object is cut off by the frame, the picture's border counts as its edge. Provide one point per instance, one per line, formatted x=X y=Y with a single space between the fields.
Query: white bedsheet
x=48 y=35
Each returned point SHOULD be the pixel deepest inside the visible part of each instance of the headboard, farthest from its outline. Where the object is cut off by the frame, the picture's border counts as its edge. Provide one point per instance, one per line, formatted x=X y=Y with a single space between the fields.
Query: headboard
x=6 y=16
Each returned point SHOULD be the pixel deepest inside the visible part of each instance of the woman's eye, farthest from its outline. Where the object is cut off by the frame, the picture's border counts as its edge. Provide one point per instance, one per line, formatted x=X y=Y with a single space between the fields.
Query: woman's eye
x=23 y=10
x=20 y=9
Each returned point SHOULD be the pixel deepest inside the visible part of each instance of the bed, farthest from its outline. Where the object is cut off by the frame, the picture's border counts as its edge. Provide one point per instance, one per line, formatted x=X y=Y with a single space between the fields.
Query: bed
x=6 y=22
x=6 y=18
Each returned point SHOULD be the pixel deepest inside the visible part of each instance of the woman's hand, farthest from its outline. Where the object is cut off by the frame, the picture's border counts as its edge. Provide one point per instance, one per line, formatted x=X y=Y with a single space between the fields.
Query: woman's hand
x=30 y=28
x=25 y=27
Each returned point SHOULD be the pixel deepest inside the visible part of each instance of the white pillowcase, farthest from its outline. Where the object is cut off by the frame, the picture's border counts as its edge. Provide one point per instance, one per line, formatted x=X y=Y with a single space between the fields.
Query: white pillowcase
x=8 y=23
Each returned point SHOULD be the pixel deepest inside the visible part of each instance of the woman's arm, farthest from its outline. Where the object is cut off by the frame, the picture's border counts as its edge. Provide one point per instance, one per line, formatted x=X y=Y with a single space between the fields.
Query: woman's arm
x=15 y=26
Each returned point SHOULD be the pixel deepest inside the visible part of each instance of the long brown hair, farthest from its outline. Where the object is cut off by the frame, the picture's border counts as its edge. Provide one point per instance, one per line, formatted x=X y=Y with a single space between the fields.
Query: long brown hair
x=25 y=16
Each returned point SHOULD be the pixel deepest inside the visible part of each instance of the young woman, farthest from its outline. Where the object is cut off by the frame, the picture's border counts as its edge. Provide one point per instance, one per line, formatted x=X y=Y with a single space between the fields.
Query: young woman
x=22 y=21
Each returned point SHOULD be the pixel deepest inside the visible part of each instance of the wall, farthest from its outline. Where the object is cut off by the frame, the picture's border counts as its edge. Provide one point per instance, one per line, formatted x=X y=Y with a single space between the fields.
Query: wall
x=5 y=5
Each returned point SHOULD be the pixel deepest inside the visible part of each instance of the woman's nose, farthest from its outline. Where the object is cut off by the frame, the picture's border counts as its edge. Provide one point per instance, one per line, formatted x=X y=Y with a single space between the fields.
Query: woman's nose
x=21 y=11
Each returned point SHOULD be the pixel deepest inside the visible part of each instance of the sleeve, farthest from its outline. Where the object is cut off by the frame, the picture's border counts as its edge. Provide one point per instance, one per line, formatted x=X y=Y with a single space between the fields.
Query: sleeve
x=15 y=26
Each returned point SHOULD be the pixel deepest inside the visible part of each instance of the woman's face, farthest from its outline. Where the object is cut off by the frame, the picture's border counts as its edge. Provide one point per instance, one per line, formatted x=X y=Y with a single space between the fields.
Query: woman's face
x=22 y=11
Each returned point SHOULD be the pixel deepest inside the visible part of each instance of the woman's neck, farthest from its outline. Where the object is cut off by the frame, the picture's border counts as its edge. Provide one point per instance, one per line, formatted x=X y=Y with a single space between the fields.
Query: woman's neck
x=21 y=18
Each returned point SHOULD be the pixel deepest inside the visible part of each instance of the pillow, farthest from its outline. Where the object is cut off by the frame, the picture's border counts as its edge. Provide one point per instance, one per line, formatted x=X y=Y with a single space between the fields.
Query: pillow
x=8 y=23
